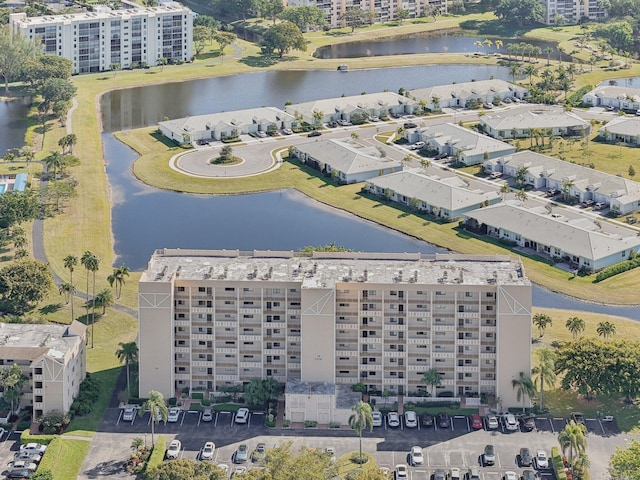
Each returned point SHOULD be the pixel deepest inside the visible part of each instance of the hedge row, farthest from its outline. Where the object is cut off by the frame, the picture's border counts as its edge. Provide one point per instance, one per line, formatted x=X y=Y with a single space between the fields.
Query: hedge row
x=617 y=268
x=576 y=97
x=51 y=455
x=27 y=437
x=558 y=465
x=157 y=456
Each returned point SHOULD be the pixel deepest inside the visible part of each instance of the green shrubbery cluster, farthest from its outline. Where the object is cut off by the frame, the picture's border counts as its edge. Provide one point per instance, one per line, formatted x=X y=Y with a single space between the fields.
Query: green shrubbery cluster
x=157 y=455
x=575 y=98
x=52 y=454
x=89 y=394
x=617 y=268
x=558 y=465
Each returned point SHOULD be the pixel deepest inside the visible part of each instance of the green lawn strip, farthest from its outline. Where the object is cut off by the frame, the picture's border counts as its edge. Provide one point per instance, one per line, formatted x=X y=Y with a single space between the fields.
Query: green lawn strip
x=64 y=458
x=153 y=168
x=449 y=410
x=346 y=466
x=226 y=407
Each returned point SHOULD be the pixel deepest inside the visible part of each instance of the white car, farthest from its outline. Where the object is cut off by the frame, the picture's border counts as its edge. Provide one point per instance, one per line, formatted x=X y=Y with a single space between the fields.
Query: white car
x=28 y=456
x=331 y=453
x=242 y=415
x=492 y=422
x=510 y=475
x=287 y=131
x=401 y=472
x=510 y=422
x=416 y=456
x=261 y=134
x=542 y=461
x=393 y=419
x=33 y=448
x=377 y=418
x=174 y=449
x=207 y=415
x=174 y=415
x=410 y=419
x=128 y=414
x=239 y=471
x=207 y=451
x=22 y=465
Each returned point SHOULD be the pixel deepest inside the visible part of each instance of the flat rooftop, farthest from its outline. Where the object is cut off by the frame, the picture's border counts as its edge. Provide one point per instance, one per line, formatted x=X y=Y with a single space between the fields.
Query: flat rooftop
x=325 y=269
x=27 y=340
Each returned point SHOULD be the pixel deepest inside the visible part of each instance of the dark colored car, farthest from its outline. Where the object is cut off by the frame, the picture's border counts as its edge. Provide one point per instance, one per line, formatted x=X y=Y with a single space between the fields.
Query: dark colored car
x=440 y=474
x=528 y=423
x=529 y=475
x=525 y=457
x=410 y=125
x=577 y=417
x=427 y=420
x=314 y=133
x=443 y=420
x=24 y=473
x=440 y=156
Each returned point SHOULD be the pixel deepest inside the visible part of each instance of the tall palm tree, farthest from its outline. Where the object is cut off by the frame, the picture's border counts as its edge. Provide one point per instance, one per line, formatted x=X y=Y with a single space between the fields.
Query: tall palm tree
x=70 y=261
x=524 y=387
x=54 y=161
x=606 y=329
x=92 y=263
x=544 y=373
x=117 y=278
x=548 y=51
x=542 y=321
x=360 y=419
x=575 y=325
x=432 y=378
x=66 y=289
x=573 y=439
x=127 y=353
x=504 y=190
x=103 y=299
x=158 y=410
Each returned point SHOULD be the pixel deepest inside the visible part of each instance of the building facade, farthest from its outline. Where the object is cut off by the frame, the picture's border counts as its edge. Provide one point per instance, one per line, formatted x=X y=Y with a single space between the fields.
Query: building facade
x=214 y=318
x=53 y=357
x=98 y=41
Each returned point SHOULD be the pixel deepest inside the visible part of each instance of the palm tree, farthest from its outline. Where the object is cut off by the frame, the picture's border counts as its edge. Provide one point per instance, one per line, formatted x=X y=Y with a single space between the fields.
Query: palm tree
x=360 y=419
x=606 y=329
x=524 y=387
x=504 y=190
x=522 y=195
x=432 y=378
x=521 y=175
x=425 y=163
x=103 y=299
x=70 y=261
x=573 y=439
x=436 y=103
x=67 y=290
x=54 y=161
x=542 y=321
x=530 y=70
x=487 y=44
x=158 y=410
x=91 y=262
x=575 y=325
x=515 y=70
x=567 y=185
x=544 y=373
x=128 y=353
x=548 y=51
x=117 y=278
x=478 y=44
x=498 y=44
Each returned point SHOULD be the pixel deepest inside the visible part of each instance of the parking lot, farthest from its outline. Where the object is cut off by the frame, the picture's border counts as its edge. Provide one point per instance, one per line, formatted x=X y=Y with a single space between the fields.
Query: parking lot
x=454 y=446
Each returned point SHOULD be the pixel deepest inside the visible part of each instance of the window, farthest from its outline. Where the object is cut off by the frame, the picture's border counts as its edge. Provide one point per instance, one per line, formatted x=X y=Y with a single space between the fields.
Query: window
x=468 y=294
x=202 y=289
x=229 y=289
x=181 y=289
x=489 y=308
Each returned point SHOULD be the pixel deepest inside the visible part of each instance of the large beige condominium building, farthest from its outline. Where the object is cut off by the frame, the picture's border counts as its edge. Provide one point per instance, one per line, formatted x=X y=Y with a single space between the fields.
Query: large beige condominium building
x=223 y=317
x=52 y=356
x=108 y=39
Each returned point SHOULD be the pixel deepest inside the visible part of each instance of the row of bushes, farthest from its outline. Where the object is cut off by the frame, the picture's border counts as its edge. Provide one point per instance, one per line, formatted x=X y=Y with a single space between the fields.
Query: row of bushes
x=575 y=98
x=51 y=455
x=558 y=464
x=157 y=455
x=88 y=395
x=28 y=437
x=617 y=268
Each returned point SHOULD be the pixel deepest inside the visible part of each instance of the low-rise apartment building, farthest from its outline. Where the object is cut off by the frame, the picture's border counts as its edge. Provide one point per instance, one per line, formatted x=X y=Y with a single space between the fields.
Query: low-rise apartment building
x=100 y=40
x=524 y=122
x=53 y=357
x=456 y=95
x=623 y=98
x=210 y=318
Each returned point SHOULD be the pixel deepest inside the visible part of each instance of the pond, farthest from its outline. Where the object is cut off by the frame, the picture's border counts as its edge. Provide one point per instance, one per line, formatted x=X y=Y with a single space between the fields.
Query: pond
x=452 y=43
x=13 y=124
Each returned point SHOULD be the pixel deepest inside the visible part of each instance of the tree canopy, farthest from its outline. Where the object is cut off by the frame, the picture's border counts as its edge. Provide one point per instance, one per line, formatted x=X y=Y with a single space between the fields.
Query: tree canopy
x=282 y=464
x=22 y=284
x=625 y=463
x=40 y=68
x=284 y=37
x=15 y=51
x=305 y=17
x=185 y=469
x=523 y=12
x=17 y=207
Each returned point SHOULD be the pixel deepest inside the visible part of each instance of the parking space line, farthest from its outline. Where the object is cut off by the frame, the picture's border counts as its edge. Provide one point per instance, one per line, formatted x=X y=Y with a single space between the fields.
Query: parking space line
x=602 y=427
x=498 y=460
x=553 y=430
x=119 y=417
x=183 y=415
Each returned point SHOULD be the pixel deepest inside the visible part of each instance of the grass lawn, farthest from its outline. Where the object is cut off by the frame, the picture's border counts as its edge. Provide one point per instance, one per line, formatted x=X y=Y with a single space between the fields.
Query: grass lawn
x=64 y=458
x=345 y=465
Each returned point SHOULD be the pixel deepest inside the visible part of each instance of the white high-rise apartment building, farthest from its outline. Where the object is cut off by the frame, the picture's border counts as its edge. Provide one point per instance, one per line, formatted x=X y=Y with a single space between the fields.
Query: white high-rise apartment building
x=223 y=317
x=95 y=41
x=382 y=10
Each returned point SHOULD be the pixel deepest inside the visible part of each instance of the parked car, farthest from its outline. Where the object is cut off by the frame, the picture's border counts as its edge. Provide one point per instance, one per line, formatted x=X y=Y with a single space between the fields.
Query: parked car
x=542 y=461
x=242 y=415
x=401 y=472
x=510 y=475
x=476 y=422
x=441 y=156
x=287 y=131
x=241 y=455
x=128 y=414
x=174 y=415
x=393 y=419
x=22 y=465
x=174 y=449
x=489 y=456
x=440 y=474
x=259 y=453
x=207 y=415
x=28 y=456
x=529 y=475
x=19 y=474
x=33 y=448
x=416 y=457
x=207 y=451
x=525 y=457
x=331 y=453
x=314 y=133
x=427 y=420
x=454 y=474
x=239 y=471
x=418 y=145
x=443 y=420
x=473 y=473
x=577 y=417
x=377 y=418
x=492 y=422
x=510 y=422
x=261 y=134
x=410 y=419
x=410 y=125
x=528 y=423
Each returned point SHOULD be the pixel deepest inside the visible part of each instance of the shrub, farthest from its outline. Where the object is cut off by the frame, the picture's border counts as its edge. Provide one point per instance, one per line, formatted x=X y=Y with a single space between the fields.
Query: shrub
x=286 y=423
x=172 y=401
x=52 y=454
x=334 y=425
x=28 y=437
x=54 y=422
x=157 y=454
x=357 y=459
x=310 y=424
x=446 y=393
x=197 y=395
x=617 y=268
x=206 y=403
x=24 y=425
x=558 y=465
